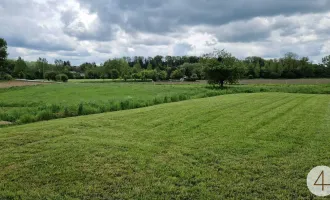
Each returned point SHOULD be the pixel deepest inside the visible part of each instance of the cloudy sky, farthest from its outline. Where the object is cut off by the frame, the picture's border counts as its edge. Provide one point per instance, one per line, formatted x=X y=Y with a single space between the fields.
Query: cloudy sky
x=87 y=30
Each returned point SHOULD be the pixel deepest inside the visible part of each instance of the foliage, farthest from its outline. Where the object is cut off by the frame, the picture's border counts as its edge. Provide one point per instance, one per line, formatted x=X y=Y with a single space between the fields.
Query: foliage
x=20 y=69
x=193 y=77
x=56 y=100
x=221 y=66
x=177 y=74
x=51 y=75
x=162 y=75
x=326 y=61
x=62 y=77
x=6 y=77
x=175 y=67
x=192 y=69
x=3 y=53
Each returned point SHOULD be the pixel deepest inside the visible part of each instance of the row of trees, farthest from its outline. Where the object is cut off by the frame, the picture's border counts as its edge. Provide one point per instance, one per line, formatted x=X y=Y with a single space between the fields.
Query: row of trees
x=219 y=66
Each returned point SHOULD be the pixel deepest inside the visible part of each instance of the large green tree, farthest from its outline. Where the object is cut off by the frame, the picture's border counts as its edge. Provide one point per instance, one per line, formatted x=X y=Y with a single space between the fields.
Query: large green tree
x=221 y=66
x=20 y=69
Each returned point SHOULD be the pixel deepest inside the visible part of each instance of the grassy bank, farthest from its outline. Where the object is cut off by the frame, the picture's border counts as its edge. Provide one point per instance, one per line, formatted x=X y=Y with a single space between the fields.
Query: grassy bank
x=22 y=105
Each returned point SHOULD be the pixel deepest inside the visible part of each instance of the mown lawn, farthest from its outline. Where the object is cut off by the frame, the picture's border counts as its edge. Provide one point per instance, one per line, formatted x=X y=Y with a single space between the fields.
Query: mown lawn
x=240 y=146
x=74 y=93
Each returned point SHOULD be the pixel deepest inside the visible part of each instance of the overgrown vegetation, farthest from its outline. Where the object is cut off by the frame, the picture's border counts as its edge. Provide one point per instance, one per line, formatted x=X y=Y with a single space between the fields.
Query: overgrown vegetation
x=72 y=99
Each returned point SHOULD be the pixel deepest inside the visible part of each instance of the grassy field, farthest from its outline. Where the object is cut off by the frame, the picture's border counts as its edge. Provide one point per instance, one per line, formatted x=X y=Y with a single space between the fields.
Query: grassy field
x=28 y=104
x=240 y=146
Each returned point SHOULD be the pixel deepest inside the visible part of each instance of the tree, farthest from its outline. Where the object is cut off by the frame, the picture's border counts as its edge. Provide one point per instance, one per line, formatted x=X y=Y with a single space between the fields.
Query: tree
x=137 y=67
x=41 y=67
x=62 y=77
x=177 y=74
x=3 y=56
x=221 y=66
x=162 y=75
x=59 y=65
x=114 y=74
x=20 y=68
x=7 y=67
x=149 y=67
x=326 y=61
x=3 y=51
x=51 y=75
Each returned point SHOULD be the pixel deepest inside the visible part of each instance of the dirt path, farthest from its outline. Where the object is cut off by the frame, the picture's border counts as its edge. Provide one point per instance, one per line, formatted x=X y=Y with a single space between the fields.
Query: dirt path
x=8 y=84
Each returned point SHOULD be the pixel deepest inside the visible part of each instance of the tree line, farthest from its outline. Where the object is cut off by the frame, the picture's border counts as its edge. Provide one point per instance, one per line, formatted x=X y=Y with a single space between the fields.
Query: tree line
x=217 y=67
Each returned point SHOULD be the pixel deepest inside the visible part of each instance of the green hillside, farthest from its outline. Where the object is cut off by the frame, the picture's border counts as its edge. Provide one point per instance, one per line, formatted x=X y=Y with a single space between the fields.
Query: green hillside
x=240 y=146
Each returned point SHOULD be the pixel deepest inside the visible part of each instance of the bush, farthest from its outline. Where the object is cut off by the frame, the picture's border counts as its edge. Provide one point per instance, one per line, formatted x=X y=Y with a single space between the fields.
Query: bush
x=291 y=75
x=177 y=74
x=62 y=77
x=162 y=75
x=194 y=77
x=274 y=75
x=51 y=76
x=126 y=77
x=6 y=77
x=114 y=74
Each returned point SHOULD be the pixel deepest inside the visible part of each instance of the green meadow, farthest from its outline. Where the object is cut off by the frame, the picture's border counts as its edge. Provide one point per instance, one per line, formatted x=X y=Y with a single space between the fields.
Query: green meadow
x=238 y=146
x=21 y=105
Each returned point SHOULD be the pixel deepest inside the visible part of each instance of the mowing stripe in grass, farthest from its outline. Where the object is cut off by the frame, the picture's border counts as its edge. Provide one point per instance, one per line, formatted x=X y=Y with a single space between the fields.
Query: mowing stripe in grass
x=243 y=146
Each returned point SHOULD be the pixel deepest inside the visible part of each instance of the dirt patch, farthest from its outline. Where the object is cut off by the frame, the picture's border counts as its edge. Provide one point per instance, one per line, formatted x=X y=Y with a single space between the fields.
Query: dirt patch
x=8 y=84
x=5 y=123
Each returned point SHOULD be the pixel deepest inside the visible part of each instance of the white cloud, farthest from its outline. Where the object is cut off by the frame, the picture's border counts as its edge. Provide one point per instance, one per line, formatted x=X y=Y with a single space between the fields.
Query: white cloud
x=96 y=31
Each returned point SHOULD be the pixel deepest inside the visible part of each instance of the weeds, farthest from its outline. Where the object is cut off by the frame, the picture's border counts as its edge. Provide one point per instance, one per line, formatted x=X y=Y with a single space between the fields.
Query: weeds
x=31 y=112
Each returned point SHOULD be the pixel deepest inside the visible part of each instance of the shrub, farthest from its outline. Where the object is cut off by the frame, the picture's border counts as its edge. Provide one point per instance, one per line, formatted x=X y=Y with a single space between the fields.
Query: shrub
x=194 y=77
x=114 y=74
x=136 y=76
x=177 y=74
x=125 y=77
x=291 y=75
x=51 y=76
x=62 y=77
x=274 y=75
x=6 y=77
x=162 y=75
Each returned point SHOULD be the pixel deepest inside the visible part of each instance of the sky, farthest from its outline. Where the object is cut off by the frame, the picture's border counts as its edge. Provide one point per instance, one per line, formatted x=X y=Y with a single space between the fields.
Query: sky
x=94 y=31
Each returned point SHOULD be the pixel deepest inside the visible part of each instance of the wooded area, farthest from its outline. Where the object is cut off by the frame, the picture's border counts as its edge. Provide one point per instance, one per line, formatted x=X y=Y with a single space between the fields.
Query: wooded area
x=190 y=68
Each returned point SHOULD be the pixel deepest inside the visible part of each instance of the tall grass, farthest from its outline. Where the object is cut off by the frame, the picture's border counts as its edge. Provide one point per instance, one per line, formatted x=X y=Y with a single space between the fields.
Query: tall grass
x=22 y=113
